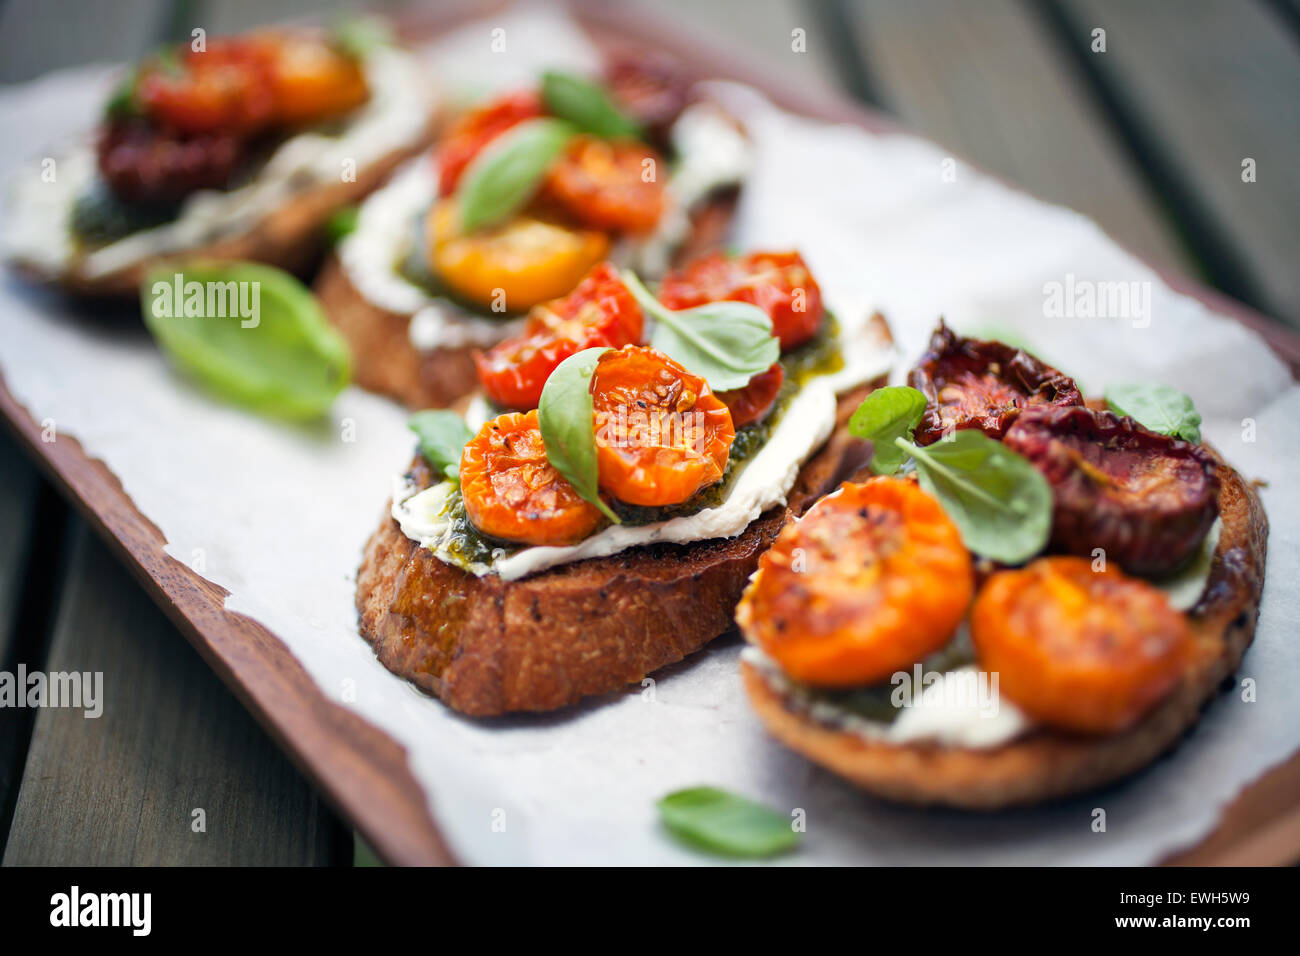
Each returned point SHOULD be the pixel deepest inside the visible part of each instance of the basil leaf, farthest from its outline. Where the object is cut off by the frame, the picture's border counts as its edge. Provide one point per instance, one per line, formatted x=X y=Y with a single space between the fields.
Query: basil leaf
x=1161 y=408
x=999 y=501
x=884 y=415
x=587 y=106
x=251 y=333
x=443 y=436
x=725 y=823
x=360 y=36
x=500 y=180
x=567 y=420
x=726 y=342
x=342 y=223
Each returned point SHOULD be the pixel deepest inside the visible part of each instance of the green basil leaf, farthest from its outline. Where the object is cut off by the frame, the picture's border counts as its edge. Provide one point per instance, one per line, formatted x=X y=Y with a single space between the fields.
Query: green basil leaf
x=568 y=424
x=500 y=180
x=359 y=36
x=726 y=342
x=722 y=822
x=587 y=106
x=884 y=415
x=1161 y=408
x=999 y=501
x=249 y=332
x=342 y=223
x=443 y=435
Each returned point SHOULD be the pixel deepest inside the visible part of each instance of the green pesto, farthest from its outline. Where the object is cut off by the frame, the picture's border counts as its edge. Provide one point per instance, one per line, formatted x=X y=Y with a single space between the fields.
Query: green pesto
x=466 y=545
x=99 y=217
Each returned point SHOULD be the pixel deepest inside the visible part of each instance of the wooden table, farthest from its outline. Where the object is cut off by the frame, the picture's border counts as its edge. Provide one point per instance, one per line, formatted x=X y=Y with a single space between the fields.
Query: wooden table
x=1148 y=138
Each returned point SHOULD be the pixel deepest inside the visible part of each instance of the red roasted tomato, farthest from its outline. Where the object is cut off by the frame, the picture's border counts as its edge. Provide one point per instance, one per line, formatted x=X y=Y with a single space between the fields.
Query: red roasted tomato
x=779 y=283
x=604 y=185
x=469 y=134
x=752 y=402
x=599 y=312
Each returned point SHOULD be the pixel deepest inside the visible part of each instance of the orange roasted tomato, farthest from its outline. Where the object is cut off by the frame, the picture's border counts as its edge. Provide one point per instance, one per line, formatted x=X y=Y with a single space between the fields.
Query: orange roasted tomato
x=872 y=579
x=311 y=80
x=779 y=283
x=599 y=312
x=511 y=492
x=515 y=265
x=471 y=132
x=1079 y=649
x=608 y=185
x=661 y=433
x=752 y=402
x=226 y=88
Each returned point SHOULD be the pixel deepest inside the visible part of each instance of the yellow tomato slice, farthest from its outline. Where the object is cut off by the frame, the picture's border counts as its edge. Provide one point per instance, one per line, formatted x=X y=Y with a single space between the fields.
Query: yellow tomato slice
x=514 y=266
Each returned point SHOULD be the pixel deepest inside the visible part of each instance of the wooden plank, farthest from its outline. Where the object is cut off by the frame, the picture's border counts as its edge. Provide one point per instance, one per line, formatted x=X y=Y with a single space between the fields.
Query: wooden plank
x=124 y=788
x=988 y=81
x=41 y=35
x=1203 y=85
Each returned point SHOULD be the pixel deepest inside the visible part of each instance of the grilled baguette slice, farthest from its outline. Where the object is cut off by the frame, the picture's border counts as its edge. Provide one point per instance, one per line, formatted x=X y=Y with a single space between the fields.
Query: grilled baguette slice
x=488 y=646
x=1047 y=764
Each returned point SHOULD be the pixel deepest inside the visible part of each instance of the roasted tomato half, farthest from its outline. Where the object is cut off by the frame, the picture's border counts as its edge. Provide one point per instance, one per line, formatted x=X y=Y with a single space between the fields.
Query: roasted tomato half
x=469 y=134
x=661 y=434
x=753 y=402
x=600 y=311
x=1147 y=500
x=515 y=265
x=513 y=493
x=870 y=580
x=970 y=383
x=312 y=81
x=227 y=88
x=649 y=88
x=779 y=283
x=1079 y=649
x=142 y=163
x=608 y=185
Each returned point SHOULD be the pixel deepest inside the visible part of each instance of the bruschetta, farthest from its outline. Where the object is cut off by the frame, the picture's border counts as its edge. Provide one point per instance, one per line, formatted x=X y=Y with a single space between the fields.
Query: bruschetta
x=596 y=513
x=225 y=148
x=522 y=196
x=1035 y=595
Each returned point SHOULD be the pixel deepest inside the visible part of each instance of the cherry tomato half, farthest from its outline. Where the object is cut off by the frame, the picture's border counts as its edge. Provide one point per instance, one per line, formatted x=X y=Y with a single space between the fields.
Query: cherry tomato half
x=225 y=88
x=513 y=266
x=779 y=283
x=1079 y=649
x=473 y=131
x=752 y=402
x=312 y=81
x=608 y=185
x=661 y=433
x=872 y=579
x=512 y=492
x=600 y=311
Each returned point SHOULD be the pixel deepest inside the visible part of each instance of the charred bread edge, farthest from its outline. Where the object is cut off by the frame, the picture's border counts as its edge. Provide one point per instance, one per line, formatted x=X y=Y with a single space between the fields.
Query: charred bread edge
x=591 y=627
x=1046 y=764
x=386 y=362
x=290 y=236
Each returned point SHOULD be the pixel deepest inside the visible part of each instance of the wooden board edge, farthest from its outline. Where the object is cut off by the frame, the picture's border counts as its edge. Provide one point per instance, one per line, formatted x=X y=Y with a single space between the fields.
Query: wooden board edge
x=361 y=770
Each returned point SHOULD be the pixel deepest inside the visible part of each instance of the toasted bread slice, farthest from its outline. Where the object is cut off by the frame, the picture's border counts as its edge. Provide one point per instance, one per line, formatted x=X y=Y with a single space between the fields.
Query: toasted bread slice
x=290 y=236
x=1047 y=764
x=488 y=646
x=386 y=362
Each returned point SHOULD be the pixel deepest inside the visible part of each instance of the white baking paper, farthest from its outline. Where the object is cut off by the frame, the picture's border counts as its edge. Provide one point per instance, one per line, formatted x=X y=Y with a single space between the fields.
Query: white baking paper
x=278 y=514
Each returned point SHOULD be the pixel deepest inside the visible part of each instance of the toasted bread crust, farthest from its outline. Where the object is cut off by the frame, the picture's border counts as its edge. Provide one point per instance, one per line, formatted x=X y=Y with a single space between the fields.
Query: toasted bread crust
x=488 y=646
x=387 y=363
x=289 y=236
x=1046 y=764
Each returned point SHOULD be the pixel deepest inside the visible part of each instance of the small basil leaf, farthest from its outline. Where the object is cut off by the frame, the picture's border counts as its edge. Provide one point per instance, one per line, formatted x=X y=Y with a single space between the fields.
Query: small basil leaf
x=725 y=823
x=360 y=36
x=567 y=420
x=1161 y=408
x=726 y=342
x=999 y=501
x=251 y=333
x=443 y=435
x=884 y=415
x=342 y=223
x=587 y=106
x=500 y=180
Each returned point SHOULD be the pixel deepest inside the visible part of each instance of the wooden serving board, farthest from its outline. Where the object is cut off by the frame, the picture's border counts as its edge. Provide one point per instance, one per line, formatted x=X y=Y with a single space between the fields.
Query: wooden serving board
x=361 y=770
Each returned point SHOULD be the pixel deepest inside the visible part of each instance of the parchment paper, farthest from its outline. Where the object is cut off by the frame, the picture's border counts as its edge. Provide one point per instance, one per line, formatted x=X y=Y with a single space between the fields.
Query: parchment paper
x=278 y=514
